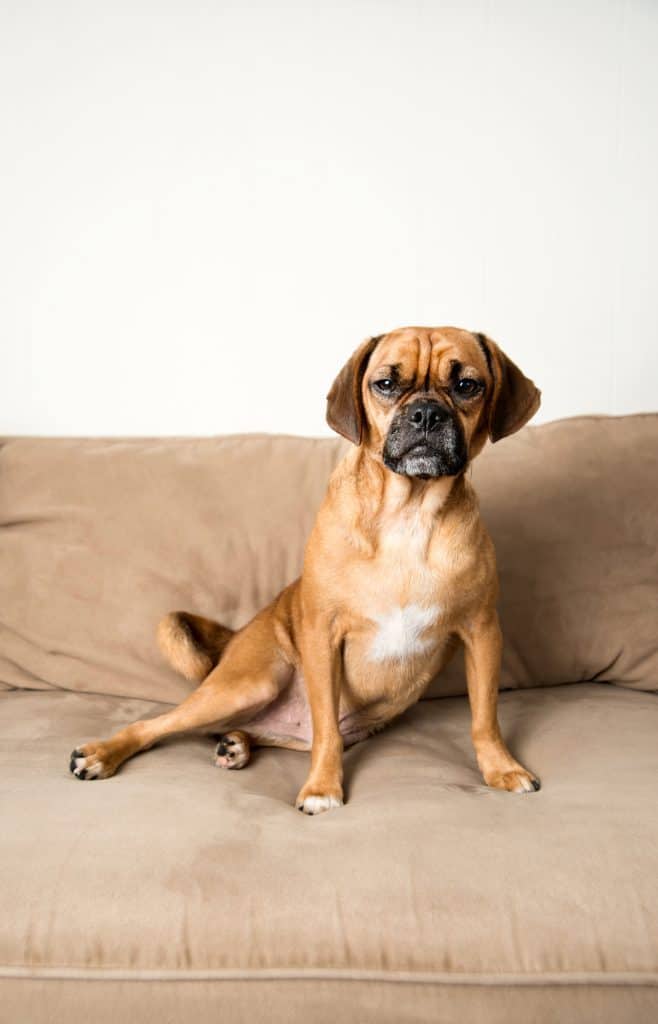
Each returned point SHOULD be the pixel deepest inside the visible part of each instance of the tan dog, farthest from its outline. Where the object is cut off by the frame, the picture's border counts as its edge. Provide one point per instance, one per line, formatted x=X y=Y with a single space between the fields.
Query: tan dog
x=398 y=570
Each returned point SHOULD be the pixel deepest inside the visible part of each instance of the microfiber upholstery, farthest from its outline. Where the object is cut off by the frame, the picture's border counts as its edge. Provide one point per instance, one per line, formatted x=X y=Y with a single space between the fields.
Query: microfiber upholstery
x=175 y=887
x=177 y=892
x=100 y=538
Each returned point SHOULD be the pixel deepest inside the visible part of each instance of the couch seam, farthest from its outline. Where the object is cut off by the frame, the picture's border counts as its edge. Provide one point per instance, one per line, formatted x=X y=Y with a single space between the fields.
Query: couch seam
x=549 y=978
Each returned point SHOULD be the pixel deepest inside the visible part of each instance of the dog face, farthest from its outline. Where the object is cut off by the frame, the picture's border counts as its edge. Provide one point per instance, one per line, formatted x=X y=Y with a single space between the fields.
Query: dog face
x=424 y=400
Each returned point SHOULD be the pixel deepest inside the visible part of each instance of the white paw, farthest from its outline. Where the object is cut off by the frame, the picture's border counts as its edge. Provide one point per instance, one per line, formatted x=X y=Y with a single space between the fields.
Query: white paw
x=89 y=767
x=317 y=804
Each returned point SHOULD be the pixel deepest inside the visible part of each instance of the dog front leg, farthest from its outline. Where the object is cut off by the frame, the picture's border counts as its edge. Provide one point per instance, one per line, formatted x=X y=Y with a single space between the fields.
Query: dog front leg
x=322 y=670
x=482 y=652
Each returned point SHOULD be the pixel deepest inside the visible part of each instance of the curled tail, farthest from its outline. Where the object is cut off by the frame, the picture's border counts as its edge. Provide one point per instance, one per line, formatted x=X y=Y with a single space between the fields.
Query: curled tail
x=191 y=644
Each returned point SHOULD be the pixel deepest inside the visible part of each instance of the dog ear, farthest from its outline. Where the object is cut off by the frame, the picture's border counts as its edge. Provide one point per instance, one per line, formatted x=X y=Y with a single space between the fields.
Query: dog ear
x=515 y=398
x=345 y=412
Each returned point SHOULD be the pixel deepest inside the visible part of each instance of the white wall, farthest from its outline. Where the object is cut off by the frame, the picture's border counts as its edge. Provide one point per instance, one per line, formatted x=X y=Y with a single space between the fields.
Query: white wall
x=206 y=205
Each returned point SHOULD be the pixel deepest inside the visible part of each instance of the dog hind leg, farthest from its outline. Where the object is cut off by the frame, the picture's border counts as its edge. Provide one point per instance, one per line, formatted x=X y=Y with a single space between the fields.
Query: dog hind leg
x=250 y=675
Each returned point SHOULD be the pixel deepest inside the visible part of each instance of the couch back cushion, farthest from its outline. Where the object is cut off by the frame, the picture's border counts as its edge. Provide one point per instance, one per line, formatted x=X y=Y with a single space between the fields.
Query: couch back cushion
x=100 y=538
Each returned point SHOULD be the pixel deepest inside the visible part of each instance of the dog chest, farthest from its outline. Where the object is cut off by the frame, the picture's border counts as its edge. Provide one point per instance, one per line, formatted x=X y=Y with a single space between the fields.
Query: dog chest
x=397 y=597
x=402 y=631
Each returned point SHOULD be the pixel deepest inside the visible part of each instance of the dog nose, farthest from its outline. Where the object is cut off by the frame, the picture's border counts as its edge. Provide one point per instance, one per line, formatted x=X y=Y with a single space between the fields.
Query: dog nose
x=426 y=415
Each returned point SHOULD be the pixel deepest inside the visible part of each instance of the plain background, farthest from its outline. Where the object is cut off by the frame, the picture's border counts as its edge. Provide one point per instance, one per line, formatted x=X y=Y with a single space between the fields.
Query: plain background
x=206 y=206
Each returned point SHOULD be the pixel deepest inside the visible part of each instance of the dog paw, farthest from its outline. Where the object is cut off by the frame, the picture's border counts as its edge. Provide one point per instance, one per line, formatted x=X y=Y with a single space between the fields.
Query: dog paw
x=519 y=781
x=316 y=803
x=91 y=761
x=233 y=750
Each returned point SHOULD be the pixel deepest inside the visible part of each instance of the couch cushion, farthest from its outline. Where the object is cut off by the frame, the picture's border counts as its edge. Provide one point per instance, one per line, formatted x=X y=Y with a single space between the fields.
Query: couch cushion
x=427 y=891
x=98 y=539
x=572 y=507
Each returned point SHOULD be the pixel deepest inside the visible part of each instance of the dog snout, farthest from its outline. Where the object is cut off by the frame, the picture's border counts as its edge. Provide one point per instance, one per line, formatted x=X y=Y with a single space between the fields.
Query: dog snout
x=426 y=414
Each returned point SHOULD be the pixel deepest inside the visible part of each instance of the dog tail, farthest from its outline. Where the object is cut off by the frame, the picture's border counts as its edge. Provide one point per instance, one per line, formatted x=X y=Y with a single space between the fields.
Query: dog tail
x=191 y=644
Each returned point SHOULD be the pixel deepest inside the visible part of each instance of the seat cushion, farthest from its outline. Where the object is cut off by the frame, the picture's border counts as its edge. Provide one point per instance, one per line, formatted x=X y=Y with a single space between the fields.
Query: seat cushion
x=100 y=538
x=176 y=888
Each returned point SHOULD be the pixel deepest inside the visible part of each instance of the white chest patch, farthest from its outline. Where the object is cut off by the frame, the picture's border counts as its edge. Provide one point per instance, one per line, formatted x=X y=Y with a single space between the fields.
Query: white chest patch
x=400 y=631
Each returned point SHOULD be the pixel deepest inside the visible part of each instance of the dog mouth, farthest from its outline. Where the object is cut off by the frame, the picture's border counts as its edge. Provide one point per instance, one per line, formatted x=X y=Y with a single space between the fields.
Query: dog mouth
x=421 y=454
x=425 y=460
x=423 y=448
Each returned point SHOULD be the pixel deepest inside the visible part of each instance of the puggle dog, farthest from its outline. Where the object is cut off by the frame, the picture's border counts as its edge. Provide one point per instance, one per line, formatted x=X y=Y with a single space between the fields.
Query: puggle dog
x=398 y=571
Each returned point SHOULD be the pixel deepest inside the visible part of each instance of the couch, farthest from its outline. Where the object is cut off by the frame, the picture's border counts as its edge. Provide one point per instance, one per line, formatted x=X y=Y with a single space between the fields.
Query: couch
x=176 y=891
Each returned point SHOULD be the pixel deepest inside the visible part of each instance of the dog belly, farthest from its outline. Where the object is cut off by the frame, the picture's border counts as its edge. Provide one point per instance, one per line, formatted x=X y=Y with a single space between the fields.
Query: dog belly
x=286 y=722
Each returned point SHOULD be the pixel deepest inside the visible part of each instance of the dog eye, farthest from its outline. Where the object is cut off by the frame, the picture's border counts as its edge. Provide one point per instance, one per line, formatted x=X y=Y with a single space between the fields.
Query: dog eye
x=466 y=387
x=386 y=385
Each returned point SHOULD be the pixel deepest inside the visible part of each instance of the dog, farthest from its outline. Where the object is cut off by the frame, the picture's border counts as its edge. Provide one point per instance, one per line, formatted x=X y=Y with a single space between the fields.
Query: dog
x=398 y=571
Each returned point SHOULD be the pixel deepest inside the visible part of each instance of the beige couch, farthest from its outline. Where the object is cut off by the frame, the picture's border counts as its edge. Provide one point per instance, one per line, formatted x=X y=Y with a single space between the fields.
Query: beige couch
x=176 y=892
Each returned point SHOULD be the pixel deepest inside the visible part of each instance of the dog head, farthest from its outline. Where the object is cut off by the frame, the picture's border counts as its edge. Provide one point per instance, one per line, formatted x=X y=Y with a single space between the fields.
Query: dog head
x=424 y=400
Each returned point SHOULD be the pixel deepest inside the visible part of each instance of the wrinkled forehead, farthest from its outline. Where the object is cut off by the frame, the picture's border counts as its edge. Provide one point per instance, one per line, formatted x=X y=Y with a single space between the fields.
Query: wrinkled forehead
x=415 y=352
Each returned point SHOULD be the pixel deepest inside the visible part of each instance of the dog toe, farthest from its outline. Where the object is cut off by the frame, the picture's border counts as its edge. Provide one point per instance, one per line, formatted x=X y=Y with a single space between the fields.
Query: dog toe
x=87 y=763
x=316 y=803
x=233 y=750
x=519 y=781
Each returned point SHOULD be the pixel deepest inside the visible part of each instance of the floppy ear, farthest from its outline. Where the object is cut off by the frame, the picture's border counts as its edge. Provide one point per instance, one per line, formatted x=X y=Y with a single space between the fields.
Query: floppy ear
x=515 y=397
x=345 y=412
